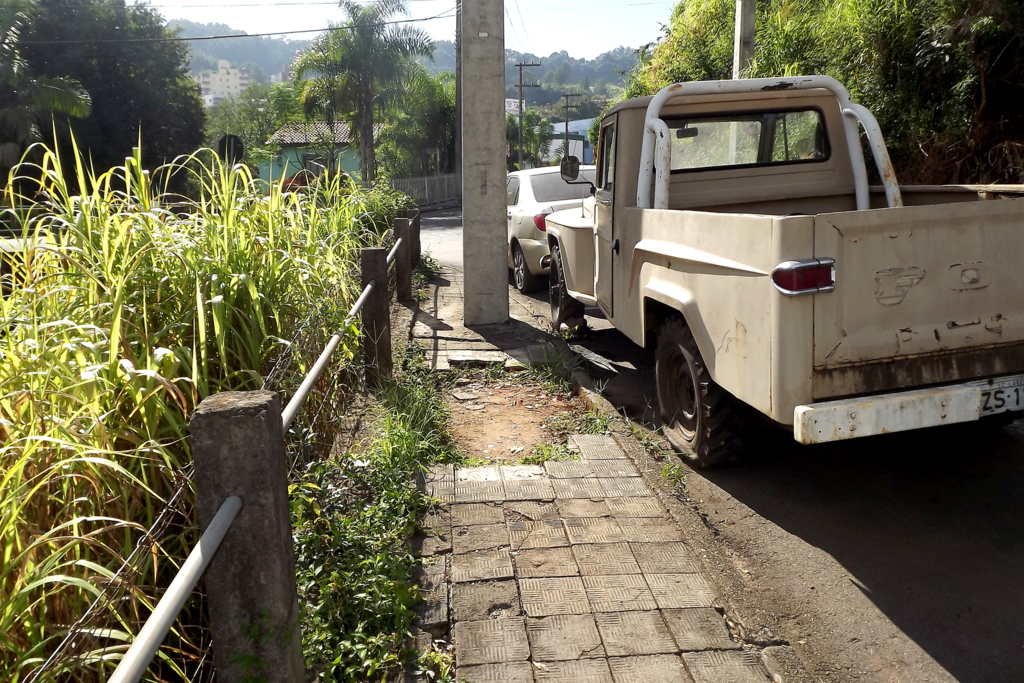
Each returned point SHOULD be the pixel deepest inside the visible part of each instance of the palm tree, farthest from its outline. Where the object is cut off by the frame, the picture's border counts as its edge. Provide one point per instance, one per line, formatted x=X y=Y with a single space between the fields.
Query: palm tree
x=355 y=69
x=24 y=100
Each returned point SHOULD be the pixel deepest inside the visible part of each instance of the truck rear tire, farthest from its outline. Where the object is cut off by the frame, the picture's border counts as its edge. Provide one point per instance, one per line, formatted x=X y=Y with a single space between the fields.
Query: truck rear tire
x=564 y=309
x=699 y=418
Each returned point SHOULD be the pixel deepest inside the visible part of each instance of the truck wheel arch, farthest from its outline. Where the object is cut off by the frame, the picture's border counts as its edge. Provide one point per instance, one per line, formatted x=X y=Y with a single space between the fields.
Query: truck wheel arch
x=660 y=304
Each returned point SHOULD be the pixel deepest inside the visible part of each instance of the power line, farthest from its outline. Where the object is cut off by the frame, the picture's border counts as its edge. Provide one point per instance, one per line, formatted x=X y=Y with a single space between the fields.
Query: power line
x=513 y=26
x=347 y=27
x=520 y=12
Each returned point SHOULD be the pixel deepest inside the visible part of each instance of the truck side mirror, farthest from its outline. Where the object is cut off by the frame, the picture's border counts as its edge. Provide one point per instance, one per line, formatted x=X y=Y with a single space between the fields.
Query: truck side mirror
x=569 y=168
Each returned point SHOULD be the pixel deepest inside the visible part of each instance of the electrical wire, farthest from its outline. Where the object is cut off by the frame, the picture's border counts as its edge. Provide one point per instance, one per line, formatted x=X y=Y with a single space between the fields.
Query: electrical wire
x=348 y=27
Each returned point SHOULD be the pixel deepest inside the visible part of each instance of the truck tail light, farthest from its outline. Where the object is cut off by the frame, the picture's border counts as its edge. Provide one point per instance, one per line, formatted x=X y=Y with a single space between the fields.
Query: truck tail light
x=540 y=222
x=805 y=277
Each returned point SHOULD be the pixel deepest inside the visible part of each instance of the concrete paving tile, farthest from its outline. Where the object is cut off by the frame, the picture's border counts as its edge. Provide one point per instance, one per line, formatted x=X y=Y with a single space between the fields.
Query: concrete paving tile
x=469 y=514
x=543 y=562
x=467 y=539
x=605 y=559
x=627 y=634
x=650 y=530
x=521 y=472
x=580 y=671
x=475 y=601
x=433 y=609
x=531 y=511
x=593 y=447
x=479 y=492
x=432 y=543
x=660 y=668
x=545 y=597
x=627 y=508
x=699 y=628
x=622 y=593
x=517 y=672
x=545 y=533
x=614 y=468
x=735 y=667
x=491 y=641
x=481 y=566
x=529 y=489
x=620 y=487
x=563 y=637
x=664 y=558
x=438 y=517
x=593 y=530
x=577 y=488
x=681 y=590
x=582 y=507
x=485 y=473
x=442 y=489
x=571 y=469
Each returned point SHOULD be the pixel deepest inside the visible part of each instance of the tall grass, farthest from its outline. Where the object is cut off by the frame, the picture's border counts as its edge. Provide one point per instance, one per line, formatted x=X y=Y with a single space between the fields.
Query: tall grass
x=122 y=315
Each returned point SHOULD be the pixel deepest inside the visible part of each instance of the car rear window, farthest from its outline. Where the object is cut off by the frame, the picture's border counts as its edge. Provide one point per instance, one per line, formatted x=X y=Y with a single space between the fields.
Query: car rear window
x=549 y=187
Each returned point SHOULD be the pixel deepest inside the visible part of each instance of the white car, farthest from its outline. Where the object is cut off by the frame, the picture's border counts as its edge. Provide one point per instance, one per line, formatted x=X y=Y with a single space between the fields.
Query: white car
x=530 y=196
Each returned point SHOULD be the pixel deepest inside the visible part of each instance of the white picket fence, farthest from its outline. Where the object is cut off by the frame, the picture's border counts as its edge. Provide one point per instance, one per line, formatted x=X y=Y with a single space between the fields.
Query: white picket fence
x=430 y=190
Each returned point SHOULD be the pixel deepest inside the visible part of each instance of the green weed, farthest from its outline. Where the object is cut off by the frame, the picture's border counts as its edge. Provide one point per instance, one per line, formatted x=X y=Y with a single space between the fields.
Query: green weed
x=676 y=474
x=548 y=452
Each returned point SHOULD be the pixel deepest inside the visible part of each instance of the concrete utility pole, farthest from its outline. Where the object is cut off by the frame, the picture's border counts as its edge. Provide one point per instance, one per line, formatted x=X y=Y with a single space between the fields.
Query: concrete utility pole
x=484 y=246
x=458 y=90
x=743 y=47
x=565 y=149
x=521 y=86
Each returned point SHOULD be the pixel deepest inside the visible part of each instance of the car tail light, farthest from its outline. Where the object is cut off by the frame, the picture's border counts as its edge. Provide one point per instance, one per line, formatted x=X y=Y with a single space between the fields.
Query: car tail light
x=540 y=222
x=805 y=277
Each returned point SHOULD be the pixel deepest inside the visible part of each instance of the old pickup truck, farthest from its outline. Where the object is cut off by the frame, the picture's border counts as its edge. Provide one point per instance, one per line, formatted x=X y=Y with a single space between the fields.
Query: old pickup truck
x=733 y=229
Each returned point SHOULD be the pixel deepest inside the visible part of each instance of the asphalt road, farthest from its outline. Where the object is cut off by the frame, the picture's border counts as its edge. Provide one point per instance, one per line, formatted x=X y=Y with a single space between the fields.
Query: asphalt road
x=891 y=558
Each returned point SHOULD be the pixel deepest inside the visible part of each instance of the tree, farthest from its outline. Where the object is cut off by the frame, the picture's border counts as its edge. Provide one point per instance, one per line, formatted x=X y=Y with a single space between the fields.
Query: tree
x=536 y=139
x=254 y=115
x=24 y=100
x=425 y=121
x=945 y=78
x=354 y=71
x=138 y=81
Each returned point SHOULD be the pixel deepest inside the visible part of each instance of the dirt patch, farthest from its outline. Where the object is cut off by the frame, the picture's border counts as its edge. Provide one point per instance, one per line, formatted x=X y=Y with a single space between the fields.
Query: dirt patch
x=503 y=420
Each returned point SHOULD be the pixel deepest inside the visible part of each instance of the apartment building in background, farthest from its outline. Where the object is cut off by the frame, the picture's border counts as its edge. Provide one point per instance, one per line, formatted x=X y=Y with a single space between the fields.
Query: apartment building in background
x=223 y=83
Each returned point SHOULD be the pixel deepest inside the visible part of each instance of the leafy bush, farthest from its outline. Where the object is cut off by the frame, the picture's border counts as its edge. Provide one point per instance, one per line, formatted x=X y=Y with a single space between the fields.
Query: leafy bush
x=353 y=519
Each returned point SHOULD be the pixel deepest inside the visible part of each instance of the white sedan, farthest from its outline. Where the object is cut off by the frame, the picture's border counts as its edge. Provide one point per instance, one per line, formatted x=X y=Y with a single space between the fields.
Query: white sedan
x=530 y=196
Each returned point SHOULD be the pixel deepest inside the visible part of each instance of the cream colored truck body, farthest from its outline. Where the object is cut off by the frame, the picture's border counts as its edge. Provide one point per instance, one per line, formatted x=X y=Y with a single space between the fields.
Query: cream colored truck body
x=928 y=294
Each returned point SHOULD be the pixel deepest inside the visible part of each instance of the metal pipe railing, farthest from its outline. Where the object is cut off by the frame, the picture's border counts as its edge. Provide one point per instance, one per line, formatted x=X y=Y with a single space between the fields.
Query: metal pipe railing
x=321 y=363
x=394 y=251
x=137 y=659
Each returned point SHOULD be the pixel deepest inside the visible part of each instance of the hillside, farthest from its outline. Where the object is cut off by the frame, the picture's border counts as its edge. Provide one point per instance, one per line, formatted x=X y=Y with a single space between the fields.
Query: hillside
x=271 y=55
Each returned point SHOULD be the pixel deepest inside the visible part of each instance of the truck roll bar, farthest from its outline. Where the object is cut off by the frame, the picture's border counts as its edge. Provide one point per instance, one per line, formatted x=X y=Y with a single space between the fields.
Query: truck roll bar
x=655 y=154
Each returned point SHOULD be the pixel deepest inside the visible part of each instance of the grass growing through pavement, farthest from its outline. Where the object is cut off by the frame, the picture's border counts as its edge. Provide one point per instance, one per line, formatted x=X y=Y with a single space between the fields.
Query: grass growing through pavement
x=353 y=518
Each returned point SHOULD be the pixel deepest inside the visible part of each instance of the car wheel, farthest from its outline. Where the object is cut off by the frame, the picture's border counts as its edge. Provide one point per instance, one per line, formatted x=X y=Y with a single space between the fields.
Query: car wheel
x=564 y=309
x=522 y=278
x=699 y=418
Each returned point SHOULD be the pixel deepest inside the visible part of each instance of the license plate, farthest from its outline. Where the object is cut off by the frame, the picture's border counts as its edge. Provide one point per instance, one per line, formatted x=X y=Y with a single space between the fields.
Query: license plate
x=1002 y=395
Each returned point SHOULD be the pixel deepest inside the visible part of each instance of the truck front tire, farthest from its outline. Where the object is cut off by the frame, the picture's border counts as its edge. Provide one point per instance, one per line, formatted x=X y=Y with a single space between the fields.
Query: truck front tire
x=564 y=309
x=699 y=418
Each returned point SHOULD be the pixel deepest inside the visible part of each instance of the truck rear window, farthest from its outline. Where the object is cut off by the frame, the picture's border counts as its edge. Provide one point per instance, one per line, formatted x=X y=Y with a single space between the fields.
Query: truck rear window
x=549 y=187
x=759 y=139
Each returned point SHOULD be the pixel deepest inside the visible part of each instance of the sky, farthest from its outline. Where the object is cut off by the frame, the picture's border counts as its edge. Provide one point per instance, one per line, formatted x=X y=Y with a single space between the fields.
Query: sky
x=541 y=27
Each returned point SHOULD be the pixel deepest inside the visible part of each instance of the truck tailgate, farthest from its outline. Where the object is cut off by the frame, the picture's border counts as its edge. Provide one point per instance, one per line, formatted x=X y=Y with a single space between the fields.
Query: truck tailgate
x=938 y=286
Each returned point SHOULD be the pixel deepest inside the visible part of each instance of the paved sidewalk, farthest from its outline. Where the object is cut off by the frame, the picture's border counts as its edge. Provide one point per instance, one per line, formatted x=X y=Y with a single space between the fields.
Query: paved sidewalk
x=570 y=571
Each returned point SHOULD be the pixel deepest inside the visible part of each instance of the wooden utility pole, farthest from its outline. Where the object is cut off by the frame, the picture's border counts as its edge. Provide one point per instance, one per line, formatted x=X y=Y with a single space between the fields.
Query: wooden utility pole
x=565 y=149
x=743 y=47
x=522 y=85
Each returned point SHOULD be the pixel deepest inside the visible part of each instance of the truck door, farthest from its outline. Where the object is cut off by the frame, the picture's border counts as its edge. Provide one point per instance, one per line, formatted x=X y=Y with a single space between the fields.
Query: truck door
x=605 y=243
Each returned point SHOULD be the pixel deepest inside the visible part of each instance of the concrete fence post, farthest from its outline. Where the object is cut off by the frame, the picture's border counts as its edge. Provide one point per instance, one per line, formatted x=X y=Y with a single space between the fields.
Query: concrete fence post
x=414 y=252
x=376 y=335
x=238 y=448
x=403 y=260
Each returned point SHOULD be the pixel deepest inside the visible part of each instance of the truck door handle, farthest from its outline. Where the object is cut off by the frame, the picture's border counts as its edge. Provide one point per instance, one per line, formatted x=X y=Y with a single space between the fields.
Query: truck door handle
x=615 y=246
x=606 y=202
